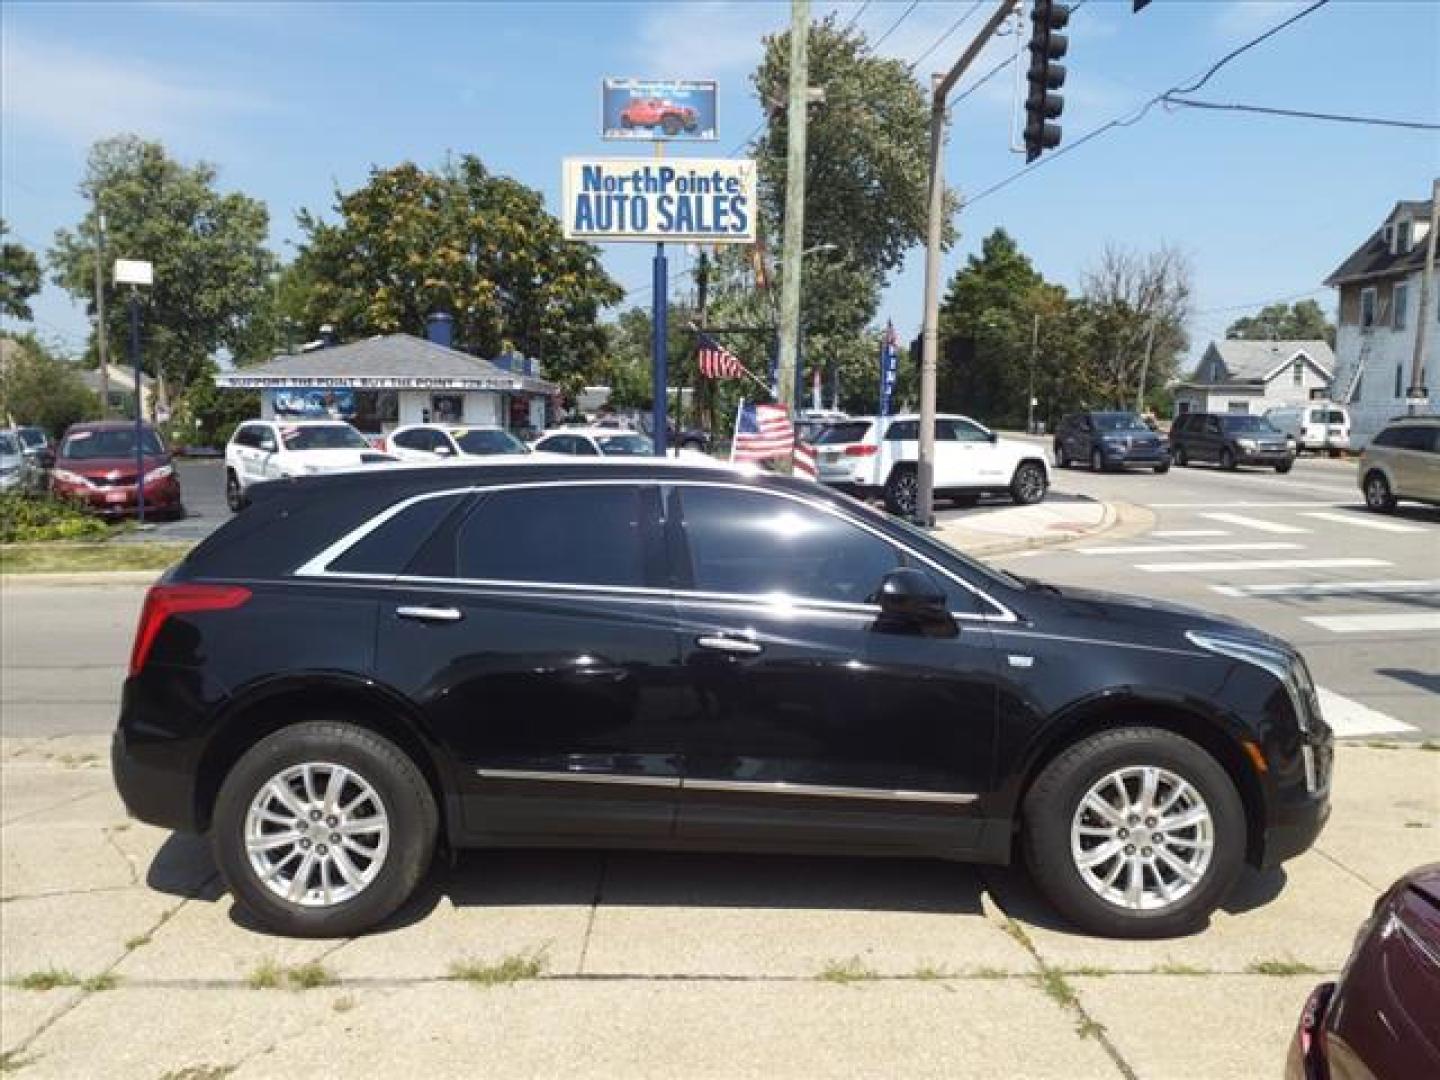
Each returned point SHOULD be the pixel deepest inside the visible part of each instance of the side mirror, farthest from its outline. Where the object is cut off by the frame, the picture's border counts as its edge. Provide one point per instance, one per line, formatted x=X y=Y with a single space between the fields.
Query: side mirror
x=910 y=602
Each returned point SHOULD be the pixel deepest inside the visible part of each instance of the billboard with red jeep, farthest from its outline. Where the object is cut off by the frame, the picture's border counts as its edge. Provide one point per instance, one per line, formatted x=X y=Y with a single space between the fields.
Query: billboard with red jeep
x=662 y=110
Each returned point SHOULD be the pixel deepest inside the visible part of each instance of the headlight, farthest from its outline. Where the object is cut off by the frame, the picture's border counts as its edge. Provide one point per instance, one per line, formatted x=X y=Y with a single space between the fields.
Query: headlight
x=65 y=476
x=1245 y=444
x=1288 y=667
x=159 y=474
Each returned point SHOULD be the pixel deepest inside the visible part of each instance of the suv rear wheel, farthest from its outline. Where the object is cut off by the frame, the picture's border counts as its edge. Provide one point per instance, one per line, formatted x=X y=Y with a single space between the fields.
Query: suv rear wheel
x=902 y=491
x=1134 y=832
x=1378 y=496
x=1061 y=457
x=323 y=829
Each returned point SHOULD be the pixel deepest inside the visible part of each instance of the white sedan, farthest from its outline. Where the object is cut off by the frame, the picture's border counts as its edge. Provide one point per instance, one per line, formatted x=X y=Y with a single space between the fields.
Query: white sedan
x=429 y=442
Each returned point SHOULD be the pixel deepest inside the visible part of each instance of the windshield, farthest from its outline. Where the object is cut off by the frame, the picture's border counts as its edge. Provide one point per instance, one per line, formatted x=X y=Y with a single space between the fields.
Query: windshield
x=323 y=437
x=1321 y=416
x=9 y=445
x=489 y=442
x=1117 y=421
x=31 y=436
x=628 y=445
x=845 y=432
x=1256 y=424
x=111 y=443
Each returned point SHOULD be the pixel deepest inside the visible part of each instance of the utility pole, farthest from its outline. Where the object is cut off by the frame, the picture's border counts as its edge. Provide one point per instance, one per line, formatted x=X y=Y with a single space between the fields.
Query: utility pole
x=941 y=86
x=100 y=313
x=794 y=241
x=1416 y=395
x=1145 y=368
x=1034 y=354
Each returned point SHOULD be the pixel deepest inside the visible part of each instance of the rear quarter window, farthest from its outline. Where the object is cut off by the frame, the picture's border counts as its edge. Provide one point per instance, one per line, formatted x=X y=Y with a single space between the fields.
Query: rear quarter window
x=389 y=548
x=844 y=432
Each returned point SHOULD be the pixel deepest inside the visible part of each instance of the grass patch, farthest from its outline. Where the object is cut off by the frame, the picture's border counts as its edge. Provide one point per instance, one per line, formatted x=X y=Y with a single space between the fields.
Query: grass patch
x=1430 y=744
x=1089 y=1029
x=199 y=1072
x=1171 y=967
x=139 y=940
x=846 y=971
x=49 y=979
x=510 y=969
x=1094 y=972
x=65 y=558
x=1057 y=989
x=933 y=972
x=12 y=1061
x=991 y=973
x=98 y=984
x=1281 y=967
x=268 y=975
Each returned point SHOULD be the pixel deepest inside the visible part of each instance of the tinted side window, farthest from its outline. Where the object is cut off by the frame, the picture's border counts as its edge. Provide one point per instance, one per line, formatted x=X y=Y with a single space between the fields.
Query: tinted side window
x=389 y=549
x=576 y=535
x=415 y=439
x=245 y=436
x=747 y=542
x=965 y=431
x=903 y=431
x=1388 y=437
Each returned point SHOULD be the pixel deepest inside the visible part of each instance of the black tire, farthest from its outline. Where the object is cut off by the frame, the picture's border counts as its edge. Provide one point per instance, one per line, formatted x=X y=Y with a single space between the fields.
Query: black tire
x=1028 y=485
x=234 y=493
x=1227 y=459
x=1378 y=496
x=1097 y=461
x=1181 y=457
x=671 y=125
x=1162 y=468
x=626 y=122
x=1052 y=803
x=902 y=491
x=1284 y=467
x=408 y=804
x=1062 y=459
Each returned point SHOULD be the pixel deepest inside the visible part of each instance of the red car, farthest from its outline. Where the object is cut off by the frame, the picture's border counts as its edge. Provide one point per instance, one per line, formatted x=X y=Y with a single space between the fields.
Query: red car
x=1382 y=1019
x=657 y=112
x=96 y=465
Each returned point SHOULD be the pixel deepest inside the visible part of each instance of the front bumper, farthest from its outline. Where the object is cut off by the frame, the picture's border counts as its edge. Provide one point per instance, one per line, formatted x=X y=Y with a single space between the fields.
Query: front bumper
x=160 y=495
x=1260 y=456
x=1300 y=798
x=1135 y=455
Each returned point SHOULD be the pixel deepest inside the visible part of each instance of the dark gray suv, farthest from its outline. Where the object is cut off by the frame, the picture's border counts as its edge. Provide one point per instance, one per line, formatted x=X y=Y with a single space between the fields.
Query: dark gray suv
x=1229 y=440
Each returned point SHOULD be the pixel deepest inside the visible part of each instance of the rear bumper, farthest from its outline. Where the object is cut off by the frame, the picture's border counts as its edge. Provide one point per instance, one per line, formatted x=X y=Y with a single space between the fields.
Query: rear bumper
x=154 y=790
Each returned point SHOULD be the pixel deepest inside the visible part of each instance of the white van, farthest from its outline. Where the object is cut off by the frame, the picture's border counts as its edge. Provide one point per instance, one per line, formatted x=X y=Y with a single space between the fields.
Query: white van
x=1315 y=425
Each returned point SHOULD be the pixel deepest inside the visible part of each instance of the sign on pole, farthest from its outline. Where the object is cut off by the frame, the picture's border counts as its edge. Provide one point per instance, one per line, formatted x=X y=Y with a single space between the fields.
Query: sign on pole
x=699 y=200
x=660 y=110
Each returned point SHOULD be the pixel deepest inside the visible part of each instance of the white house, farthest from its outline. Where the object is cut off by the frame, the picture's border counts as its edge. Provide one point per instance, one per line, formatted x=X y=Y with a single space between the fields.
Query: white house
x=1375 y=345
x=1252 y=376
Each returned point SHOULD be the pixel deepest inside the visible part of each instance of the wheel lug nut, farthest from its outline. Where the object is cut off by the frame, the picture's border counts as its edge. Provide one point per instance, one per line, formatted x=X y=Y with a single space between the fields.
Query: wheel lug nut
x=332 y=821
x=1124 y=834
x=304 y=843
x=1129 y=849
x=1143 y=851
x=322 y=849
x=314 y=815
x=334 y=838
x=1150 y=822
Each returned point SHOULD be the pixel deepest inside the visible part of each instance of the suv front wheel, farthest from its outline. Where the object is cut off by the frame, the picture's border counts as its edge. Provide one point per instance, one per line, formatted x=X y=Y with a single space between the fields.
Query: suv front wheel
x=323 y=829
x=1378 y=496
x=1028 y=485
x=234 y=493
x=1134 y=832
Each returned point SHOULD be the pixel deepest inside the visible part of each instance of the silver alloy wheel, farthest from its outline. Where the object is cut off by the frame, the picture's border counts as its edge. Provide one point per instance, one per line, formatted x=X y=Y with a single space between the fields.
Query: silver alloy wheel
x=317 y=834
x=1142 y=838
x=1030 y=483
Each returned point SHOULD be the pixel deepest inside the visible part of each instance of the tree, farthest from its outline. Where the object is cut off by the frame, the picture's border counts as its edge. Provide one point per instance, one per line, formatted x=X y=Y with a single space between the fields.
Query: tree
x=1138 y=304
x=1303 y=321
x=461 y=240
x=212 y=269
x=19 y=277
x=38 y=387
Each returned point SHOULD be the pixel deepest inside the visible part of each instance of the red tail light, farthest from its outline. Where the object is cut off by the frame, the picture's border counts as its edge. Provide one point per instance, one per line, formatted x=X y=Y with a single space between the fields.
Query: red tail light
x=380 y=444
x=162 y=601
x=861 y=450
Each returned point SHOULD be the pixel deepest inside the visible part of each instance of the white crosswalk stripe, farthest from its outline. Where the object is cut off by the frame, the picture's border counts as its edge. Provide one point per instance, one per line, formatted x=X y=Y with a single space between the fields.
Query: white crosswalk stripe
x=1350 y=719
x=1233 y=565
x=1167 y=549
x=1332 y=588
x=1365 y=522
x=1258 y=524
x=1396 y=622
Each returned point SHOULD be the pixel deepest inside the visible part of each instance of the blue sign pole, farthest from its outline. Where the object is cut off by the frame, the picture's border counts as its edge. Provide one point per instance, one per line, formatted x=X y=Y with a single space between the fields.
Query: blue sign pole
x=659 y=426
x=139 y=405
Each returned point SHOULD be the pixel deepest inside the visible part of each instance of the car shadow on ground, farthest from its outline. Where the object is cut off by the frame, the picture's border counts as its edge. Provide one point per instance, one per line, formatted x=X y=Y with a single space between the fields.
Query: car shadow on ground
x=1418 y=513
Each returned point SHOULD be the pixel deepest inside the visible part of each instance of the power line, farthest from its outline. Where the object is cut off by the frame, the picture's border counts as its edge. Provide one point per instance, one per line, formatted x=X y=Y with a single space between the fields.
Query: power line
x=874 y=45
x=1001 y=66
x=1340 y=118
x=856 y=17
x=946 y=35
x=1139 y=114
x=1260 y=303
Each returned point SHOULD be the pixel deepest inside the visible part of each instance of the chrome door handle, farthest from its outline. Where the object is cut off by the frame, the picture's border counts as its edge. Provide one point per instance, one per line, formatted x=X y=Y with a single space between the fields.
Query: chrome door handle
x=430 y=614
x=722 y=643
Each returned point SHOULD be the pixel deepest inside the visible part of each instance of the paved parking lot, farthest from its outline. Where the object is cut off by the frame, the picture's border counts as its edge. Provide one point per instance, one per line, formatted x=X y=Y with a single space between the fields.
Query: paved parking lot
x=631 y=964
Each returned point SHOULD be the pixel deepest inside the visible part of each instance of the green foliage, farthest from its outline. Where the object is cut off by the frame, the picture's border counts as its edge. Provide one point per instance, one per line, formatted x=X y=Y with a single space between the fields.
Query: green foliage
x=509 y=969
x=212 y=270
x=19 y=277
x=49 y=979
x=847 y=971
x=37 y=387
x=462 y=240
x=30 y=517
x=207 y=416
x=1304 y=321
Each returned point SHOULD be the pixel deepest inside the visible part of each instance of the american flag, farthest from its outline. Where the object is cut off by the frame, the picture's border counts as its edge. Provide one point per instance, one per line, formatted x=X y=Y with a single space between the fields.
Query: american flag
x=804 y=463
x=762 y=432
x=718 y=362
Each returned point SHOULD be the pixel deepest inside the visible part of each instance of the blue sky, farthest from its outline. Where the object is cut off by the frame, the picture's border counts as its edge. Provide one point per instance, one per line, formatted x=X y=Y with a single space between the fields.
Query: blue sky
x=290 y=100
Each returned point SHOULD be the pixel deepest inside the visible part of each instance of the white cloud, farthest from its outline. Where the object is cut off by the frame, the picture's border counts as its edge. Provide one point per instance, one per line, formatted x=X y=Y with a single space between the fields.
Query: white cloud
x=77 y=96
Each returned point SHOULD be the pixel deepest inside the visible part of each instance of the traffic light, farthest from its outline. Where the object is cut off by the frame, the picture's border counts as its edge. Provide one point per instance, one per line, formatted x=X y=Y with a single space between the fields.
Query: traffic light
x=1047 y=45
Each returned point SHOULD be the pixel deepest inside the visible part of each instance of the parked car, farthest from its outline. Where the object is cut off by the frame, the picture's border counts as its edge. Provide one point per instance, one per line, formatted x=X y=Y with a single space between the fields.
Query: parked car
x=870 y=456
x=37 y=447
x=595 y=442
x=1382 y=1017
x=1402 y=462
x=261 y=450
x=658 y=112
x=96 y=465
x=427 y=442
x=14 y=467
x=809 y=423
x=1319 y=426
x=688 y=438
x=1229 y=440
x=1109 y=440
x=650 y=654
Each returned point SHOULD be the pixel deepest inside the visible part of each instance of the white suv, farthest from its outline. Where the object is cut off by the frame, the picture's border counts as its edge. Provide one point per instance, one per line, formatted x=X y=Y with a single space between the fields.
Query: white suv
x=270 y=449
x=876 y=456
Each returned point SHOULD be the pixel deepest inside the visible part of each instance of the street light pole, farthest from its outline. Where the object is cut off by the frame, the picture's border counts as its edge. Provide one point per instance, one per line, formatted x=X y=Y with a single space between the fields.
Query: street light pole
x=934 y=230
x=139 y=410
x=1034 y=352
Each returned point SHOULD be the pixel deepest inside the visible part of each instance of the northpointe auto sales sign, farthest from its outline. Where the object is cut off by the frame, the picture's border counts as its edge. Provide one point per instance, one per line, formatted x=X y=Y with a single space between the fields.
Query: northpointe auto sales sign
x=694 y=200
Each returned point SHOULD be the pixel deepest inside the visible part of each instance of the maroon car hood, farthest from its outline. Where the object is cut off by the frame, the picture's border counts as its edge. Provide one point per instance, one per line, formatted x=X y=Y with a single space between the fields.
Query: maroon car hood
x=91 y=467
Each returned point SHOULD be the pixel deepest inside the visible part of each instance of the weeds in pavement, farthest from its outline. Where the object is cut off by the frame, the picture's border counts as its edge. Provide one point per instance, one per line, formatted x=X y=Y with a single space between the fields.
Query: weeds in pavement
x=991 y=973
x=1052 y=981
x=98 y=984
x=931 y=972
x=199 y=1072
x=131 y=944
x=266 y=976
x=1417 y=825
x=343 y=1004
x=1430 y=744
x=846 y=971
x=11 y=1061
x=1281 y=967
x=1171 y=967
x=511 y=969
x=1089 y=1029
x=1094 y=972
x=309 y=976
x=49 y=979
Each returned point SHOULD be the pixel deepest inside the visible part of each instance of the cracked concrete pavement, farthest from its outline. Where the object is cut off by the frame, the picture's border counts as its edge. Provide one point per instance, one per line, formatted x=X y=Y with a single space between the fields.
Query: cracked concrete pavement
x=655 y=965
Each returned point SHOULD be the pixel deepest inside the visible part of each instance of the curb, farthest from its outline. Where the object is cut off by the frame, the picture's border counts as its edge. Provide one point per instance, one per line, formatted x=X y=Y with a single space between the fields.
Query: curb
x=1121 y=519
x=86 y=577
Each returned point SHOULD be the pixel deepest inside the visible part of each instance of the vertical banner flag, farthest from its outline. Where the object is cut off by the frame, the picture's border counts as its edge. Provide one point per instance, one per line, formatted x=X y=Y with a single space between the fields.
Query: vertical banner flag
x=889 y=368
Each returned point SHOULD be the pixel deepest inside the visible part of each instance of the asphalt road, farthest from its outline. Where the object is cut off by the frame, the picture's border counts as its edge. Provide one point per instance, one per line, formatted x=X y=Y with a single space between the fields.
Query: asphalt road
x=1296 y=555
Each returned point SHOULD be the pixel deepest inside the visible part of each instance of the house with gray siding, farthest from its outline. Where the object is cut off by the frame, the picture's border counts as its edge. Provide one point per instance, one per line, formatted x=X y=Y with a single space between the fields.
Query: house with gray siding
x=1252 y=376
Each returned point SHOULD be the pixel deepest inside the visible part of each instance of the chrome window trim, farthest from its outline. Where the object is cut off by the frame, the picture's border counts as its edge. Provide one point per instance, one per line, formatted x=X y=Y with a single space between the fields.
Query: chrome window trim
x=318 y=565
x=829 y=791
x=562 y=776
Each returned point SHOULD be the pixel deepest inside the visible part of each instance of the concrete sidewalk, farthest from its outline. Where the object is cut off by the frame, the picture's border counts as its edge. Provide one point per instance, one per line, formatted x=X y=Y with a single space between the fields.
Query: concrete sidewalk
x=1003 y=529
x=120 y=954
